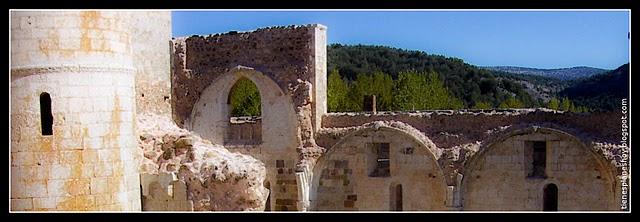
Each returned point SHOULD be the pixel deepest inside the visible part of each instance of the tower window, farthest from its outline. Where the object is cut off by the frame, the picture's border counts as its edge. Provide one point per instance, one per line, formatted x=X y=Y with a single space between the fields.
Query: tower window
x=46 y=118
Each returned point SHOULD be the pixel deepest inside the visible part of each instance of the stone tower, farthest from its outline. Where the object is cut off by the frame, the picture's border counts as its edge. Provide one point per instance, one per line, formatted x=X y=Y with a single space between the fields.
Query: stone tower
x=73 y=106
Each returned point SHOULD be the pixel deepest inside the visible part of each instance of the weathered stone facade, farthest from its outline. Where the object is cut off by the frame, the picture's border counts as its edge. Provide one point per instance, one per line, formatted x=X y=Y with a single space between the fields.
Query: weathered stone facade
x=344 y=178
x=288 y=65
x=483 y=156
x=182 y=172
x=83 y=61
x=143 y=123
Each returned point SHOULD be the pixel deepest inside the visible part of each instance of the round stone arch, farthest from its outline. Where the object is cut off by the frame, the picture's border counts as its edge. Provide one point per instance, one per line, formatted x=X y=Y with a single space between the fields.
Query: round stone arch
x=342 y=179
x=498 y=176
x=210 y=114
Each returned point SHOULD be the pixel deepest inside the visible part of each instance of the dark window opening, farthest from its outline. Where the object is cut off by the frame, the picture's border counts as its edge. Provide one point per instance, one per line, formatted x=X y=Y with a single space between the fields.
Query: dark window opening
x=245 y=121
x=538 y=159
x=46 y=118
x=381 y=166
x=550 y=198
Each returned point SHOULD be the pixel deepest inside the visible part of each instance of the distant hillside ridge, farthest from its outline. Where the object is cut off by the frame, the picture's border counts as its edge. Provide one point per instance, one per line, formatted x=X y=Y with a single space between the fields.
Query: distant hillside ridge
x=561 y=73
x=601 y=92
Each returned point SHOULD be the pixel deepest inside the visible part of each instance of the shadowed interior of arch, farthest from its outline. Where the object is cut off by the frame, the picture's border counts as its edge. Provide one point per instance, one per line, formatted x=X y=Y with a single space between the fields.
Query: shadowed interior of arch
x=245 y=113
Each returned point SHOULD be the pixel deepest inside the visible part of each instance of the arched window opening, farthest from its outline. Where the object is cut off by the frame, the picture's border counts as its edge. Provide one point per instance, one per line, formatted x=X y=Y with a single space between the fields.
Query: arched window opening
x=46 y=118
x=245 y=110
x=396 y=197
x=550 y=198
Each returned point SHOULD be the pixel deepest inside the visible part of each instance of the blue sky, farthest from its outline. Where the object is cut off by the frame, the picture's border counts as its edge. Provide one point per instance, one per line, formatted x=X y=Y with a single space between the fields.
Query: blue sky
x=538 y=39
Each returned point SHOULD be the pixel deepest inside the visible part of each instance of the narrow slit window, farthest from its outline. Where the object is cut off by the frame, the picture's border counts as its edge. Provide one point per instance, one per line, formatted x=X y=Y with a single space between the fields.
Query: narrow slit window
x=46 y=118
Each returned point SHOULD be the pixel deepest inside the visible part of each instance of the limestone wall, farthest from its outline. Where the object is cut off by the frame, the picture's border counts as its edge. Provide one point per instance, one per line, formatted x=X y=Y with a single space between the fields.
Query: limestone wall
x=451 y=128
x=343 y=179
x=284 y=54
x=583 y=154
x=164 y=192
x=83 y=60
x=287 y=64
x=182 y=172
x=151 y=48
x=499 y=178
x=210 y=117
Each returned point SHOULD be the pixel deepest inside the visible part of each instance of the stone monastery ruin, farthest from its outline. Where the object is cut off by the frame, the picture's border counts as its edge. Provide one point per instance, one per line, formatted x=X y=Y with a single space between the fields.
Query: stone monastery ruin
x=109 y=113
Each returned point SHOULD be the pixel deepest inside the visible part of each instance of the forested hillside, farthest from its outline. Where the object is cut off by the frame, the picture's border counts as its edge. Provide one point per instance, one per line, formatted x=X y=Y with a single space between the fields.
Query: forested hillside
x=562 y=73
x=467 y=86
x=601 y=92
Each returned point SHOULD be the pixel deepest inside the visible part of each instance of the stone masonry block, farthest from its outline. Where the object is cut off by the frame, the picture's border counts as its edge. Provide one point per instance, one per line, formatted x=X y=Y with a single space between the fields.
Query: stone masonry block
x=45 y=203
x=21 y=204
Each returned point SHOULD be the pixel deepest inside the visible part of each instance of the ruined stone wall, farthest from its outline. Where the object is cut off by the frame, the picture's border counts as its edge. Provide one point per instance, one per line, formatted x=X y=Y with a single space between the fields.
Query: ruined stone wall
x=182 y=172
x=287 y=64
x=500 y=178
x=164 y=192
x=151 y=48
x=83 y=59
x=450 y=128
x=584 y=160
x=344 y=181
x=284 y=54
x=277 y=148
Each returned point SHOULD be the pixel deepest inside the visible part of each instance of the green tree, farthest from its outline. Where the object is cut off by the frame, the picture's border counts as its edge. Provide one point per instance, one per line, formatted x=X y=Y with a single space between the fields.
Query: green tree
x=379 y=84
x=244 y=98
x=511 y=102
x=420 y=91
x=465 y=82
x=436 y=95
x=566 y=104
x=482 y=105
x=383 y=89
x=409 y=90
x=554 y=103
x=337 y=90
x=572 y=108
x=583 y=109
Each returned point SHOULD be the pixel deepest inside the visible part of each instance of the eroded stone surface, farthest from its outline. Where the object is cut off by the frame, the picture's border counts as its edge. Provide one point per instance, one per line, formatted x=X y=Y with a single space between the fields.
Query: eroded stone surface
x=215 y=179
x=97 y=72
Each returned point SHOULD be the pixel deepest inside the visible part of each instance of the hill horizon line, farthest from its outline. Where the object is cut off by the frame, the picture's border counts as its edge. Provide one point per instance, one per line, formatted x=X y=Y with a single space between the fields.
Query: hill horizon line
x=481 y=66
